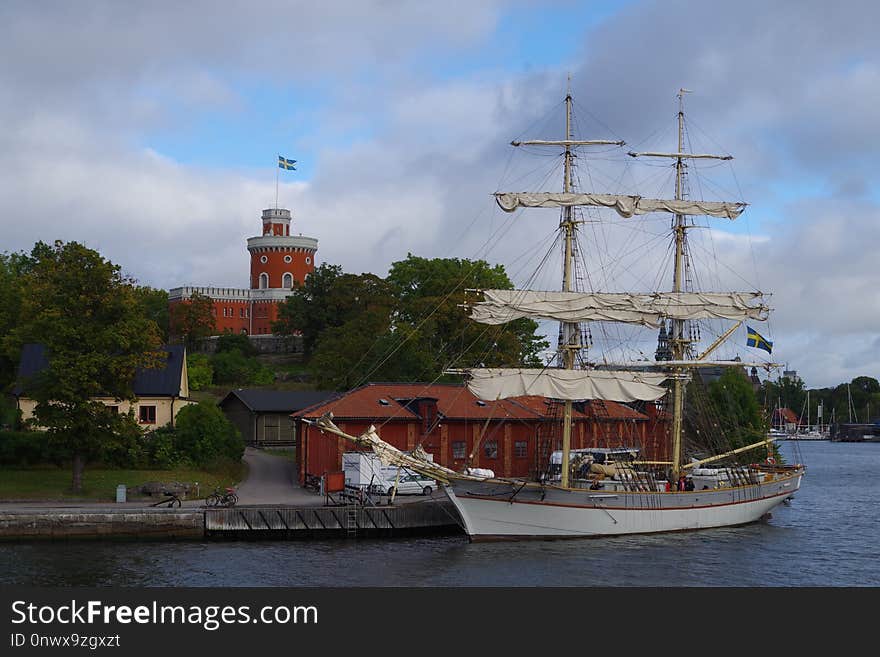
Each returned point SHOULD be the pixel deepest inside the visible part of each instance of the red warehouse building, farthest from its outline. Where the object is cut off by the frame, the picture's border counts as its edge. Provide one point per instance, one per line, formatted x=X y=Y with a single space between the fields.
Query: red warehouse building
x=278 y=261
x=511 y=435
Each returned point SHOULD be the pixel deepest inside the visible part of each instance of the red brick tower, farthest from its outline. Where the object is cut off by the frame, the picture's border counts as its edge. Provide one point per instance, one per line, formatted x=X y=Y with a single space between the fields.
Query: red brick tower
x=278 y=261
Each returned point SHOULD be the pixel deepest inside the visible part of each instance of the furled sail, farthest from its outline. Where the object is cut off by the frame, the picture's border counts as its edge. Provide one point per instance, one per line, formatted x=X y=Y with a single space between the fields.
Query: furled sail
x=501 y=306
x=626 y=206
x=613 y=385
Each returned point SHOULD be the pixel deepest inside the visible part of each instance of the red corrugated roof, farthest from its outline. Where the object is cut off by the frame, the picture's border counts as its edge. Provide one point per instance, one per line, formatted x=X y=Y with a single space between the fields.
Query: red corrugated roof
x=454 y=401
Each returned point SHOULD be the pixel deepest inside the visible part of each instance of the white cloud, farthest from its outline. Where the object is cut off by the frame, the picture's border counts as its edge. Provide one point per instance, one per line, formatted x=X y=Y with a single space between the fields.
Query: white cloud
x=788 y=89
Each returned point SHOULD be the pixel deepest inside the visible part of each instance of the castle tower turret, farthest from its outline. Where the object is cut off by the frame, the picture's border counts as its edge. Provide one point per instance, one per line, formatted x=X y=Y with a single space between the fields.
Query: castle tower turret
x=279 y=259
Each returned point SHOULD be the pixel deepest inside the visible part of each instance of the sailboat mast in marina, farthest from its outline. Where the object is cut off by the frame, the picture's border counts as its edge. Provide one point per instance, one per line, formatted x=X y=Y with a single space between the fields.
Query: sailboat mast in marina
x=612 y=491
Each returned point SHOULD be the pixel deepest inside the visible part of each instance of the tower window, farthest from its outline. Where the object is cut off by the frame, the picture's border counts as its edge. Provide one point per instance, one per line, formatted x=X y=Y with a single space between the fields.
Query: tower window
x=264 y=259
x=308 y=260
x=288 y=259
x=287 y=281
x=264 y=280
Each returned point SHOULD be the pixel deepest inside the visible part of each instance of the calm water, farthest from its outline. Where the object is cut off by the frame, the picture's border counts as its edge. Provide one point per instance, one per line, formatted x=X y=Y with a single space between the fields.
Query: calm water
x=827 y=537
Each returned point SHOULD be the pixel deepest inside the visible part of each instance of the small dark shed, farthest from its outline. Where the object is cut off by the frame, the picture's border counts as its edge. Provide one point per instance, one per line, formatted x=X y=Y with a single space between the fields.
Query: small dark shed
x=263 y=416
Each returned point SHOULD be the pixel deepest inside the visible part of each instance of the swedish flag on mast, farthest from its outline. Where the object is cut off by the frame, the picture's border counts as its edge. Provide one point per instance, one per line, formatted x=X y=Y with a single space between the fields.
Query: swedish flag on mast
x=754 y=339
x=287 y=165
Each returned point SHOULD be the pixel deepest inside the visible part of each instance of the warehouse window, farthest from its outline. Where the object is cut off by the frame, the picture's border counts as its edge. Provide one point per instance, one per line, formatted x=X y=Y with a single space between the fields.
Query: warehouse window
x=490 y=449
x=458 y=449
x=520 y=449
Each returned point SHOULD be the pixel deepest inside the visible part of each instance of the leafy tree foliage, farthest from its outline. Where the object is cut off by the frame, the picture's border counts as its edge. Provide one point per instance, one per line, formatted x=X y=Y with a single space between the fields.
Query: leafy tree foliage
x=856 y=401
x=229 y=341
x=193 y=319
x=429 y=295
x=13 y=267
x=366 y=348
x=234 y=368
x=154 y=305
x=328 y=299
x=407 y=327
x=199 y=371
x=203 y=435
x=725 y=415
x=87 y=315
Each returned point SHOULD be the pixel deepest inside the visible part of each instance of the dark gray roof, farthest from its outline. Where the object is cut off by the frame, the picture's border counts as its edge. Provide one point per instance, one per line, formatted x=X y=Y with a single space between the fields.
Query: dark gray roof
x=280 y=401
x=147 y=382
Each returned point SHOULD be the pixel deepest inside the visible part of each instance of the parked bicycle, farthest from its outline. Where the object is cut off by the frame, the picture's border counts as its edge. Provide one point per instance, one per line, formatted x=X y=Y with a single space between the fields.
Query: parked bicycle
x=224 y=497
x=171 y=499
x=313 y=483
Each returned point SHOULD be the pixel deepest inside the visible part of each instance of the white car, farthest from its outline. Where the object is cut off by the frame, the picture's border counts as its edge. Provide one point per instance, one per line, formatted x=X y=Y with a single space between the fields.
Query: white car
x=413 y=484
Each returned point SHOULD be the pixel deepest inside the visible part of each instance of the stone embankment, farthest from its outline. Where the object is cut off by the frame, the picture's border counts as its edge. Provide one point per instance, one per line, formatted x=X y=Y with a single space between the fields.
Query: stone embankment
x=42 y=523
x=241 y=523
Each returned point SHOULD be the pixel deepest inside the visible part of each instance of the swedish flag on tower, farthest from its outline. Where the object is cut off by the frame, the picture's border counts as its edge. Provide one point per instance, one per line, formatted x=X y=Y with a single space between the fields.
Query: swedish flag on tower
x=287 y=165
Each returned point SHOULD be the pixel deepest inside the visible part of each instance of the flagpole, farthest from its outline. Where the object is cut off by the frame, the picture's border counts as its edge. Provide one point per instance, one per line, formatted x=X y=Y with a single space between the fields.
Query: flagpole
x=276 y=184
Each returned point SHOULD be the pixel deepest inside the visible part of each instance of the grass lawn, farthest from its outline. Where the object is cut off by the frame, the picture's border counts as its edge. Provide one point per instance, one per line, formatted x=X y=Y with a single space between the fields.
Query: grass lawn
x=99 y=484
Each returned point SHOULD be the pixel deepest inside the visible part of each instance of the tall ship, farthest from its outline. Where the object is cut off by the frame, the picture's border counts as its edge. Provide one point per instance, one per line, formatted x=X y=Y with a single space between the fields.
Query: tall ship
x=616 y=489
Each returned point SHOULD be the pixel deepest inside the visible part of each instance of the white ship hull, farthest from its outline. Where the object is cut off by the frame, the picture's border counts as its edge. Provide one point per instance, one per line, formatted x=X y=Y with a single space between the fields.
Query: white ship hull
x=499 y=511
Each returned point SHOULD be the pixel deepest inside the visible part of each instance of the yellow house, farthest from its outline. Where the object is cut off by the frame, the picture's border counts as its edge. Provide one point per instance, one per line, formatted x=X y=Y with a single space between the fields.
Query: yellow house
x=161 y=392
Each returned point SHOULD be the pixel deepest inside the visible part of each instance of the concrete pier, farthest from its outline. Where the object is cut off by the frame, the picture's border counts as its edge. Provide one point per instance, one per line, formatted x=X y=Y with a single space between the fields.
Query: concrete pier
x=435 y=517
x=102 y=523
x=241 y=523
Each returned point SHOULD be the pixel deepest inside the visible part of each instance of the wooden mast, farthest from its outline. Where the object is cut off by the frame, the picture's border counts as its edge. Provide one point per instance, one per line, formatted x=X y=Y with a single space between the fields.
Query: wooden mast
x=678 y=341
x=568 y=330
x=678 y=345
x=570 y=334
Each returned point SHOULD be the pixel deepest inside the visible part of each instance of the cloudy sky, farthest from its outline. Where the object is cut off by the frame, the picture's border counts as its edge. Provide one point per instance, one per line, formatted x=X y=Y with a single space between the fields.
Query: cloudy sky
x=149 y=131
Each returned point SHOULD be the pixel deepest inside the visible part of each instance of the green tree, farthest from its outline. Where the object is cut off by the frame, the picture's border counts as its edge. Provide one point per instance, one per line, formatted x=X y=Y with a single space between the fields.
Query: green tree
x=154 y=305
x=13 y=267
x=193 y=319
x=367 y=348
x=328 y=299
x=199 y=371
x=787 y=392
x=234 y=368
x=429 y=294
x=229 y=341
x=87 y=316
x=203 y=435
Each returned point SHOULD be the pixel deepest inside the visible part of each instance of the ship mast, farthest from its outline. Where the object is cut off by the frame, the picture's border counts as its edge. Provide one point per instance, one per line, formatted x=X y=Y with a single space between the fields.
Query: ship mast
x=568 y=330
x=678 y=341
x=570 y=334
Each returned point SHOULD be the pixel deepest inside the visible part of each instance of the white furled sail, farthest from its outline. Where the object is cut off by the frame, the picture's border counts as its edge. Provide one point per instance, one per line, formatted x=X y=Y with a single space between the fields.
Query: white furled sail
x=613 y=385
x=501 y=306
x=625 y=206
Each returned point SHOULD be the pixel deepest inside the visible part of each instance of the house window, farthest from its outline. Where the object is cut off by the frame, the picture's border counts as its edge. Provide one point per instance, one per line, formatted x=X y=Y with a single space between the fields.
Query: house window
x=520 y=449
x=490 y=449
x=147 y=414
x=113 y=409
x=458 y=449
